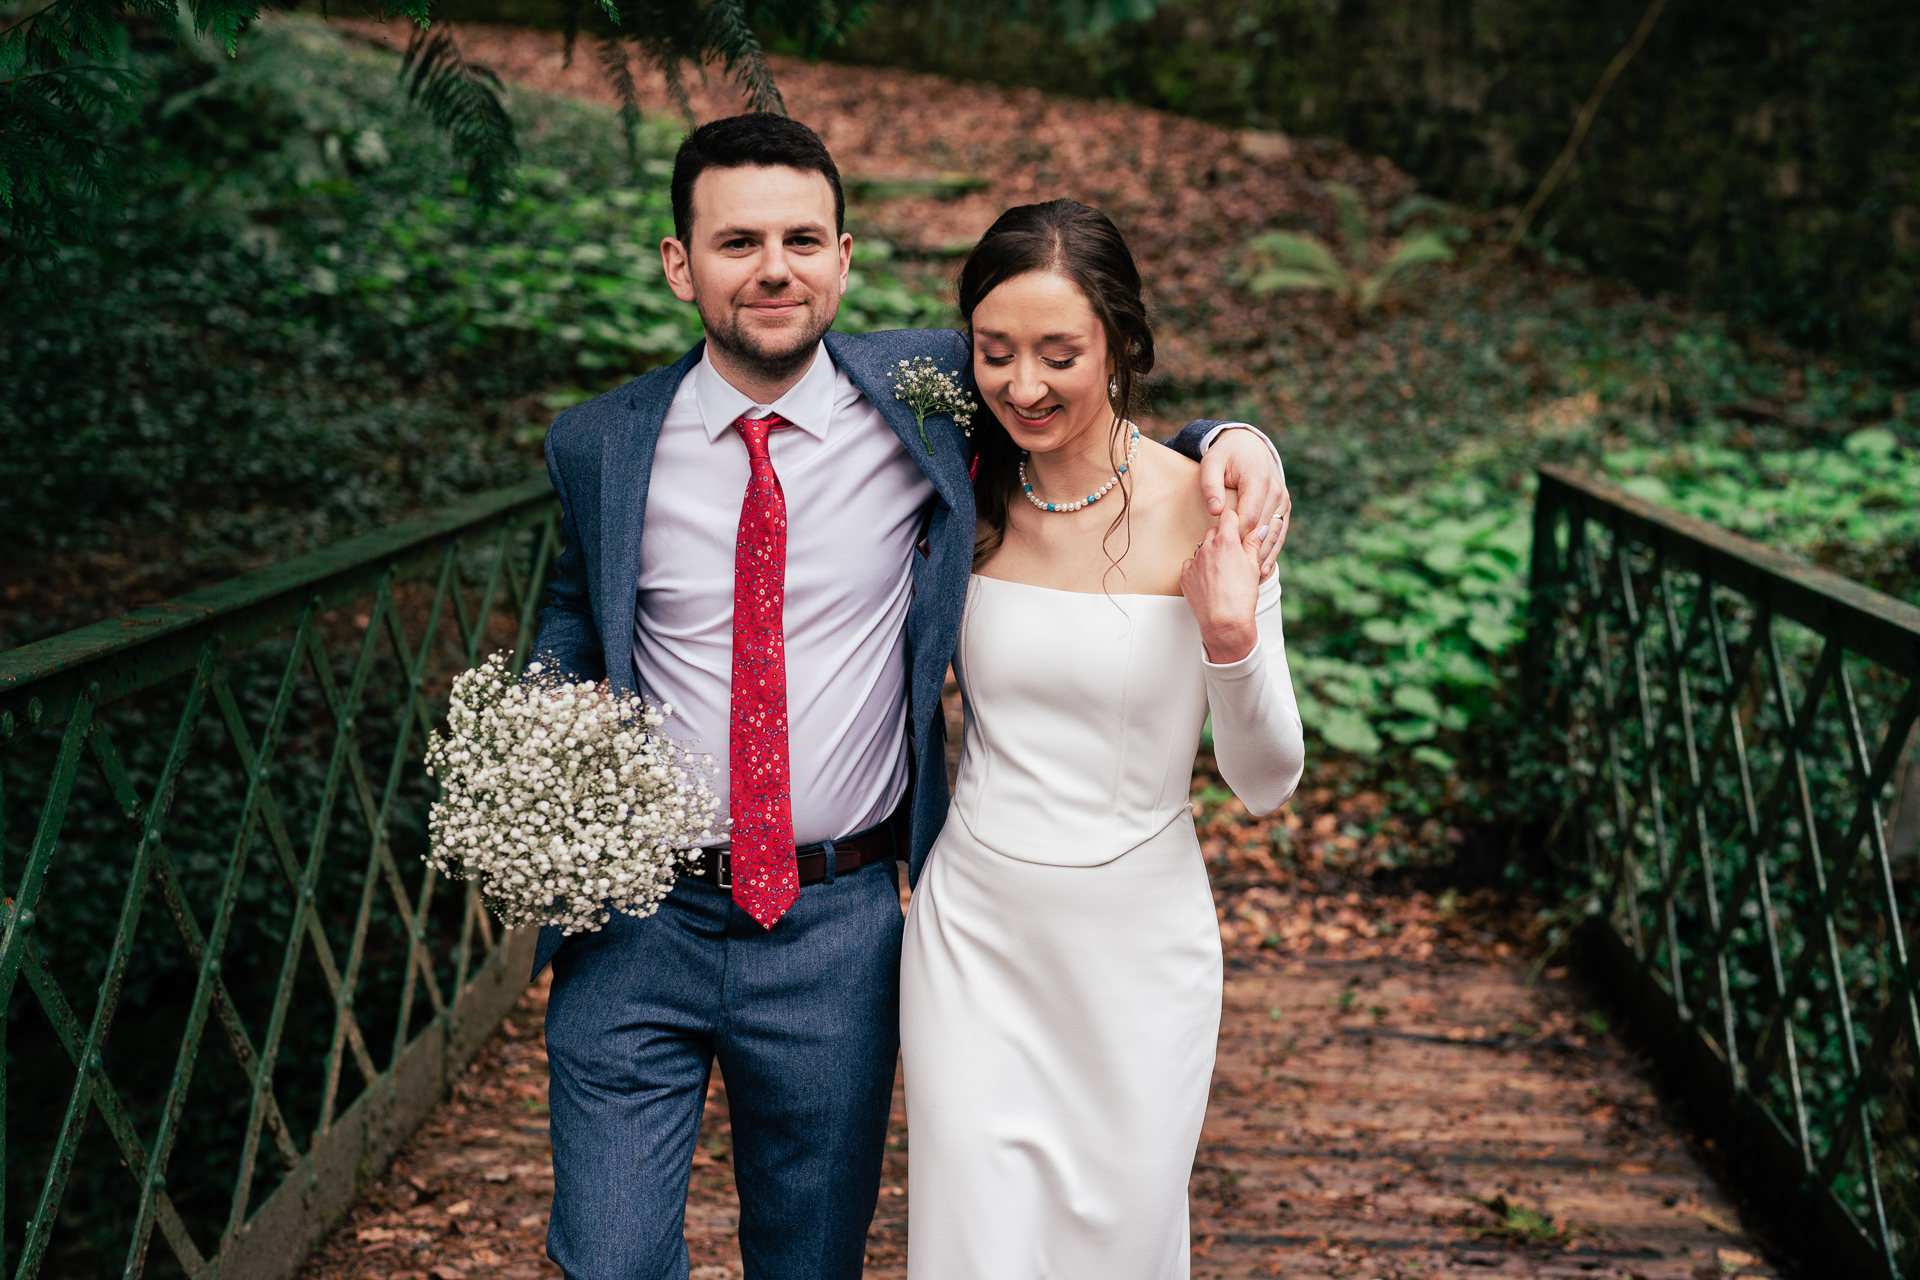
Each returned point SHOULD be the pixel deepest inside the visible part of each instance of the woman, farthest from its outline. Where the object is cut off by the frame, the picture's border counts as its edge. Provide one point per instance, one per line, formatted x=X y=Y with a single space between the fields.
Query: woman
x=1060 y=985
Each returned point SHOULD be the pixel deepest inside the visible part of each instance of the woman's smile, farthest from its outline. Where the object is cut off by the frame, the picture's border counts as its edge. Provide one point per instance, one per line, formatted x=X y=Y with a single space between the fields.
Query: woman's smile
x=1038 y=417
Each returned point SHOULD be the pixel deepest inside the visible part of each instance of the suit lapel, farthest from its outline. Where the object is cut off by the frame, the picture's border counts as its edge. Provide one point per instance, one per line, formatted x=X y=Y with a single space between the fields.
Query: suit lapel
x=947 y=466
x=626 y=468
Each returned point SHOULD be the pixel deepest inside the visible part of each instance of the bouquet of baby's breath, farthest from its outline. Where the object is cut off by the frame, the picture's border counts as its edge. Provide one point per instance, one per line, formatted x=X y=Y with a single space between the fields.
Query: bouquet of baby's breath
x=563 y=802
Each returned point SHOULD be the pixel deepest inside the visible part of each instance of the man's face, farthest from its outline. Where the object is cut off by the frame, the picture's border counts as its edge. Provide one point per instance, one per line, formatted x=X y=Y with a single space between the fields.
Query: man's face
x=763 y=264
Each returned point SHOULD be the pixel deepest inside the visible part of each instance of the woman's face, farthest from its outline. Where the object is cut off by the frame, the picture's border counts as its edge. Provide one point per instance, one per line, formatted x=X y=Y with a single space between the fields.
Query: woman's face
x=1040 y=360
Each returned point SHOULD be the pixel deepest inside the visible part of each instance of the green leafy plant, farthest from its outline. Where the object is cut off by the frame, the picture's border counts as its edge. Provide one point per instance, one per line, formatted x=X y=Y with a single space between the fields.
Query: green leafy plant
x=1402 y=634
x=1294 y=260
x=1851 y=509
x=1519 y=1224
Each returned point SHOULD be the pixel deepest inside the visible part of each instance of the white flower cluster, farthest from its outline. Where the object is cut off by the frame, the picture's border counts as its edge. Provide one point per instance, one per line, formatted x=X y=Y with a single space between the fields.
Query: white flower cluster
x=563 y=802
x=928 y=389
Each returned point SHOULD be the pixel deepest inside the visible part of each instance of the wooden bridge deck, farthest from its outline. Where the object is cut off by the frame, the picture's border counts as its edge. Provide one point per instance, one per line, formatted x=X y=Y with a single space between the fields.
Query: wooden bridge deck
x=1400 y=1105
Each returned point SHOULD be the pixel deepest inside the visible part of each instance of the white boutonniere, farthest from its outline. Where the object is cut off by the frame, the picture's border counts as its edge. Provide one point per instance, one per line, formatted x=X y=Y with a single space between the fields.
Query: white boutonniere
x=927 y=389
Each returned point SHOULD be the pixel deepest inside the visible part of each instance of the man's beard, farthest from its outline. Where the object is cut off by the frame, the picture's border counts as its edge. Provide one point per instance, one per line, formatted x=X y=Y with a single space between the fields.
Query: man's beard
x=770 y=364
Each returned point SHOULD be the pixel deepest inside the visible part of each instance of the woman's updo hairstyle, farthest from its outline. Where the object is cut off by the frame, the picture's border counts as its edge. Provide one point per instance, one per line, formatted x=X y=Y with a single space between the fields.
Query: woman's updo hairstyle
x=1068 y=239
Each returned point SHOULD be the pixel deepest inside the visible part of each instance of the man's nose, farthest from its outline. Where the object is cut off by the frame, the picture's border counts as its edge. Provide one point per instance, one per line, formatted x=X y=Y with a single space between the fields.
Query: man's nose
x=775 y=268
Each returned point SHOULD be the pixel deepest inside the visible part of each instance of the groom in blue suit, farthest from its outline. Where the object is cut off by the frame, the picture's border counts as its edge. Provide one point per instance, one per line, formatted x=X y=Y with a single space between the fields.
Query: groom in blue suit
x=760 y=536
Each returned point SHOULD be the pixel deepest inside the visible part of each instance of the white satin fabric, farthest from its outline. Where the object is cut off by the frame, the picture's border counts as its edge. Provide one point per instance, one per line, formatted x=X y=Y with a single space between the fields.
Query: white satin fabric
x=1060 y=984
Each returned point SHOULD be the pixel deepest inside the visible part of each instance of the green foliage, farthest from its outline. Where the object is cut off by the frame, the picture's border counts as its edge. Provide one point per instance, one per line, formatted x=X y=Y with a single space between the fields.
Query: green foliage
x=64 y=82
x=1852 y=509
x=59 y=65
x=303 y=330
x=1517 y=1223
x=464 y=101
x=1403 y=636
x=1292 y=260
x=52 y=167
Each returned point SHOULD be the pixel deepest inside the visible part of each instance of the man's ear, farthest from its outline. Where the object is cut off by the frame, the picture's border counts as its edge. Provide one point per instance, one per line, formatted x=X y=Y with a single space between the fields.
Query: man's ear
x=679 y=269
x=846 y=259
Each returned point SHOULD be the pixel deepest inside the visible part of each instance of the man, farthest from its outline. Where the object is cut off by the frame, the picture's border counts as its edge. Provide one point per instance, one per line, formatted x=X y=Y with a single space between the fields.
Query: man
x=759 y=536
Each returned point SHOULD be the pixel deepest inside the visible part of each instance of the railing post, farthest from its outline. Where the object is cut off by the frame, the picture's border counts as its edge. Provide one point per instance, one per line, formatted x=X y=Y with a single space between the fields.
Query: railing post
x=1543 y=586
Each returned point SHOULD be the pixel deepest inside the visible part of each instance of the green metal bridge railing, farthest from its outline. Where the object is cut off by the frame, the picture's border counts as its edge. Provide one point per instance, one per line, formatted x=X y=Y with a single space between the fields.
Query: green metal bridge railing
x=211 y=823
x=1726 y=729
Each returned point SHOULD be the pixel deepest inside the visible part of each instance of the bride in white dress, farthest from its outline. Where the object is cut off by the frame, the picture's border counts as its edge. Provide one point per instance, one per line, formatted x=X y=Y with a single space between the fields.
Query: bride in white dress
x=1060 y=984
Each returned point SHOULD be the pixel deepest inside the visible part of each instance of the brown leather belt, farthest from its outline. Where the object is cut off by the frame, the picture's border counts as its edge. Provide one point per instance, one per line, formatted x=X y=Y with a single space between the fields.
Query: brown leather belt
x=881 y=843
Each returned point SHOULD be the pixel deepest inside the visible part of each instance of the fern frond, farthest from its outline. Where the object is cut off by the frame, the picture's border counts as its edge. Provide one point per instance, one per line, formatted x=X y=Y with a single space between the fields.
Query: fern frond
x=729 y=39
x=224 y=20
x=1354 y=228
x=616 y=61
x=57 y=171
x=463 y=99
x=1422 y=246
x=670 y=65
x=1415 y=206
x=1274 y=279
x=414 y=11
x=1285 y=249
x=66 y=31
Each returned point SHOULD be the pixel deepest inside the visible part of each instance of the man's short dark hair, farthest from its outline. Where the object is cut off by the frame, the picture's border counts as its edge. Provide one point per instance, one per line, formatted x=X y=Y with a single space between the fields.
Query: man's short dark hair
x=737 y=142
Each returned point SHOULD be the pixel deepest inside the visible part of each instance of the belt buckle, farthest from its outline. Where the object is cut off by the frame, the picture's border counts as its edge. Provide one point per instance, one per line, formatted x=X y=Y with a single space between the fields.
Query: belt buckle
x=723 y=867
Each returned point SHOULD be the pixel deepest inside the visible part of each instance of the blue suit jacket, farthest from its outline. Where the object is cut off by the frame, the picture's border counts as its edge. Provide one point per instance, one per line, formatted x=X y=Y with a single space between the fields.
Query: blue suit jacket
x=600 y=455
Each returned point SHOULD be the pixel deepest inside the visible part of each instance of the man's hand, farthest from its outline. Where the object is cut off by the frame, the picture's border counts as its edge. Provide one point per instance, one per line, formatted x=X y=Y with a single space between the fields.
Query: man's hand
x=1243 y=463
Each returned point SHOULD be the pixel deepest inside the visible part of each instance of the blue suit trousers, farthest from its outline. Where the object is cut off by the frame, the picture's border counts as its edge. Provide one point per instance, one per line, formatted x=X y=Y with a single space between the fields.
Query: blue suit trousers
x=804 y=1021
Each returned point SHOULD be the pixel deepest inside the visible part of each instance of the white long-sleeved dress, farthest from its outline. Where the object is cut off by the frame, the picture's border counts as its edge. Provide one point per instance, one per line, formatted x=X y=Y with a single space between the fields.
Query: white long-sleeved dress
x=1060 y=984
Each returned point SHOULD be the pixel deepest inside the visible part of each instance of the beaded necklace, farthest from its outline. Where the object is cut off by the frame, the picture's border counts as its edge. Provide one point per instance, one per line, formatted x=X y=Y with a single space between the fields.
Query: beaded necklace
x=1133 y=449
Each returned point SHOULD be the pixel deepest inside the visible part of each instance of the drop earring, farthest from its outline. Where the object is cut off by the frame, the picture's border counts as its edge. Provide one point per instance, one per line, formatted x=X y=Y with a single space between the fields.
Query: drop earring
x=1113 y=386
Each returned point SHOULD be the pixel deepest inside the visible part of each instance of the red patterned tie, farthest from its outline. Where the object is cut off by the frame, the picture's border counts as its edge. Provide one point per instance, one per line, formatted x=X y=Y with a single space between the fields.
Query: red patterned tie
x=765 y=879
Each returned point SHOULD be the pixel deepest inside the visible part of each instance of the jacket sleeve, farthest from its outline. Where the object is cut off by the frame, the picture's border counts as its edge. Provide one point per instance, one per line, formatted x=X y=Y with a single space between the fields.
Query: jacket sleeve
x=1257 y=739
x=567 y=638
x=1199 y=435
x=1188 y=442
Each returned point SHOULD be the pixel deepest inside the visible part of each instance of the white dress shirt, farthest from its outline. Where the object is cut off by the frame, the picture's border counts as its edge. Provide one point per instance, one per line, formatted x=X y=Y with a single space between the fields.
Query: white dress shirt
x=855 y=498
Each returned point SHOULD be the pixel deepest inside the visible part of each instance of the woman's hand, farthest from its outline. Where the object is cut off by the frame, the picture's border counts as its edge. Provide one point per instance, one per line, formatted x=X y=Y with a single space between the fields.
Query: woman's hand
x=1222 y=586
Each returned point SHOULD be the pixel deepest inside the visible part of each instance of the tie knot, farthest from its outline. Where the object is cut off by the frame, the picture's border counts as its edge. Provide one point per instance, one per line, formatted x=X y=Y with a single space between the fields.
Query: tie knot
x=754 y=432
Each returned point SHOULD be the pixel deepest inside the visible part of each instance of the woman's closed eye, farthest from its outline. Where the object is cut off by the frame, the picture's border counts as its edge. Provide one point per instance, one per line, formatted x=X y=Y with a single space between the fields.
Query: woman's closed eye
x=998 y=361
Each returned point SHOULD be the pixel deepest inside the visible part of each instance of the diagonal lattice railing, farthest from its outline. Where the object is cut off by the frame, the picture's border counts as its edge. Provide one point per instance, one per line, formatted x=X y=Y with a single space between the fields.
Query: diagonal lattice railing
x=1724 y=732
x=232 y=987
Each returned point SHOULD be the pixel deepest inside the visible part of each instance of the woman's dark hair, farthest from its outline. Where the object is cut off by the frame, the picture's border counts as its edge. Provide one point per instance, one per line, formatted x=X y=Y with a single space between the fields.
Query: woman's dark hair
x=1069 y=239
x=737 y=142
